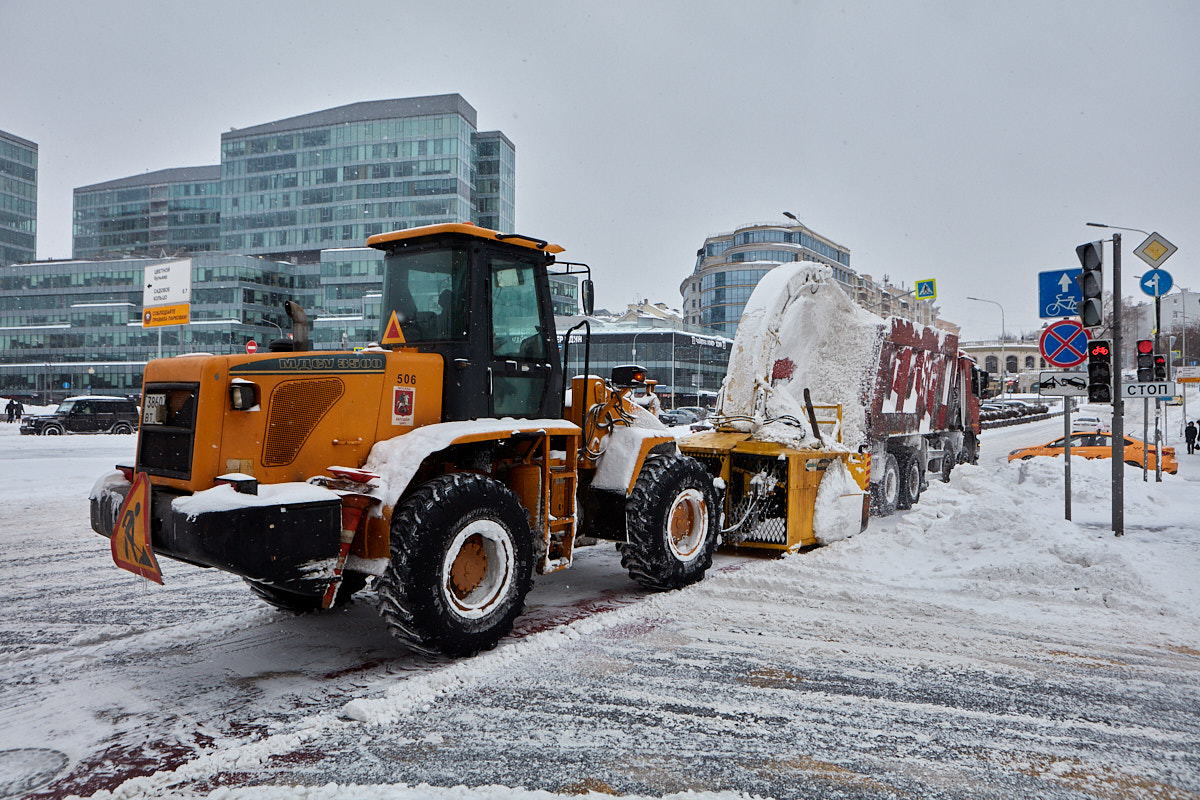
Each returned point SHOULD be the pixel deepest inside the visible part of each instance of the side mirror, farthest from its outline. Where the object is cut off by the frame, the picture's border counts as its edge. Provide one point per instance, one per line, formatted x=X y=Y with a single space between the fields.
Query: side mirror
x=587 y=296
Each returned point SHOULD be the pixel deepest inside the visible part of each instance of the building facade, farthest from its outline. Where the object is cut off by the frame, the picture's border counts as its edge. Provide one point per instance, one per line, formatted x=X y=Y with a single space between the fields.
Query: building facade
x=169 y=211
x=731 y=264
x=18 y=199
x=333 y=178
x=69 y=327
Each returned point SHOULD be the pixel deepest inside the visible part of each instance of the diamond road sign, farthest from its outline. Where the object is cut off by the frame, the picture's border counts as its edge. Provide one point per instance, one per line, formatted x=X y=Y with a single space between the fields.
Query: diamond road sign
x=1155 y=250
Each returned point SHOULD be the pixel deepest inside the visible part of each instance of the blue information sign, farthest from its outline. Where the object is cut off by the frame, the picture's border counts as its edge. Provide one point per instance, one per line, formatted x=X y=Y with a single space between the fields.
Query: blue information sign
x=1157 y=282
x=1058 y=293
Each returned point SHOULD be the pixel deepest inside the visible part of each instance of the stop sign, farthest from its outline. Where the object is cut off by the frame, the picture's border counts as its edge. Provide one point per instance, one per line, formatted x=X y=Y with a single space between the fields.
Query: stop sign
x=251 y=347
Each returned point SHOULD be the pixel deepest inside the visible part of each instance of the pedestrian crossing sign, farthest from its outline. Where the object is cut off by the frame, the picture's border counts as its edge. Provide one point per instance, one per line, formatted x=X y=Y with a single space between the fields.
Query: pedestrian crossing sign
x=927 y=289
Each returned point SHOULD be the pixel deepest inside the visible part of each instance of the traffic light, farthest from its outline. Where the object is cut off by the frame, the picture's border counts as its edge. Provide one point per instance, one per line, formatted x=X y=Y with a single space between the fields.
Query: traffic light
x=1091 y=284
x=1099 y=371
x=1145 y=360
x=1160 y=367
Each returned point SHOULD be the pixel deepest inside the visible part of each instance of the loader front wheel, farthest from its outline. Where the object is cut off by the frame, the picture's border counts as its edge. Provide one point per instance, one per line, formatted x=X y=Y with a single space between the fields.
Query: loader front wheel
x=461 y=565
x=671 y=519
x=885 y=492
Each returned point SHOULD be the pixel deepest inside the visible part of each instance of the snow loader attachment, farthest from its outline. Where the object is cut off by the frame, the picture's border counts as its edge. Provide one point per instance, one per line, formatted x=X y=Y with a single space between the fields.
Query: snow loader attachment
x=450 y=462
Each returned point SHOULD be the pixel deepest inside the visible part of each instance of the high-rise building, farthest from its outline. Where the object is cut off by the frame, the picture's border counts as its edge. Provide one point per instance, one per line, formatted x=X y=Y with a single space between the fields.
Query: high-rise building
x=730 y=265
x=169 y=211
x=18 y=199
x=332 y=178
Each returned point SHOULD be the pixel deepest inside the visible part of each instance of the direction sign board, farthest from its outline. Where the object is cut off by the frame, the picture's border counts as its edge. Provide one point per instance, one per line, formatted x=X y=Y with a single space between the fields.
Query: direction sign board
x=1152 y=389
x=166 y=293
x=927 y=289
x=1064 y=344
x=1063 y=384
x=1187 y=374
x=1157 y=282
x=1155 y=250
x=1059 y=293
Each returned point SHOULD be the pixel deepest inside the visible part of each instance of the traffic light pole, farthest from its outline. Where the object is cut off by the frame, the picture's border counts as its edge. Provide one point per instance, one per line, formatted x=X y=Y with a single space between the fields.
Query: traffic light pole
x=1118 y=418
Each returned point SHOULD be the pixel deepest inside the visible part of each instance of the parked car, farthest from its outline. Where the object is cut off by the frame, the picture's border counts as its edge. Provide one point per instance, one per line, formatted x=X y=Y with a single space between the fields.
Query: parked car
x=696 y=411
x=1088 y=422
x=90 y=414
x=1099 y=445
x=677 y=417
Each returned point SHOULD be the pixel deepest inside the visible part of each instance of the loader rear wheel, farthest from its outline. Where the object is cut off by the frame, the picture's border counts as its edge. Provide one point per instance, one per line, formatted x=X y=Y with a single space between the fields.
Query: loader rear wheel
x=671 y=518
x=885 y=492
x=304 y=603
x=461 y=565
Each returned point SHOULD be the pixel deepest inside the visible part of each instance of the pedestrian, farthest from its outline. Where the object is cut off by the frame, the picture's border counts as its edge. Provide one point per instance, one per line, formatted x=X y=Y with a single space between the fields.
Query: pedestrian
x=1189 y=434
x=20 y=410
x=10 y=410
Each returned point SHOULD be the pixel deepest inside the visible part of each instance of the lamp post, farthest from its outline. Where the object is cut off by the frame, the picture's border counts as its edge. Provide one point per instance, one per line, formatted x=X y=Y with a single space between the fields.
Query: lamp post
x=1003 y=337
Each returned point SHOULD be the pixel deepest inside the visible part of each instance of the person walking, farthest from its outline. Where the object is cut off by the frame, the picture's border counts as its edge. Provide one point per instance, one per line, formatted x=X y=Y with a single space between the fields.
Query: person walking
x=1189 y=434
x=20 y=409
x=10 y=410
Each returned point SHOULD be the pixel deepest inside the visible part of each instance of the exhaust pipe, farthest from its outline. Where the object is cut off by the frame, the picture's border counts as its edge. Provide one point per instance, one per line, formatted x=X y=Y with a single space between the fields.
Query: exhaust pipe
x=299 y=325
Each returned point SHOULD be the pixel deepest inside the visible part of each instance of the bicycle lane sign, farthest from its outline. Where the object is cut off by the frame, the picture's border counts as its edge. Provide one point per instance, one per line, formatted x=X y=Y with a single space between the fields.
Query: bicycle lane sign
x=1058 y=293
x=1064 y=344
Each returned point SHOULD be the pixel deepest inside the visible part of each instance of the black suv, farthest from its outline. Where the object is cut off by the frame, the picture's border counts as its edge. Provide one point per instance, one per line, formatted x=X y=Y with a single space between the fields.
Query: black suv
x=85 y=415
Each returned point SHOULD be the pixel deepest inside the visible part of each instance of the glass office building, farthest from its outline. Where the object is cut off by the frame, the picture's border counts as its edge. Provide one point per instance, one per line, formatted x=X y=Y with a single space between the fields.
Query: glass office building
x=18 y=199
x=333 y=178
x=170 y=211
x=70 y=327
x=730 y=265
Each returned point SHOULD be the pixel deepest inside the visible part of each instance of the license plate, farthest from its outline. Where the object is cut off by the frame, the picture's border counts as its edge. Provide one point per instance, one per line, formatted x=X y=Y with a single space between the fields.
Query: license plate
x=154 y=409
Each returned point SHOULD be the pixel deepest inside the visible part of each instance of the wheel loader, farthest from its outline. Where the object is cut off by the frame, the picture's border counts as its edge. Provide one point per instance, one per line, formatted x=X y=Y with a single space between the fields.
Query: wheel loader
x=449 y=463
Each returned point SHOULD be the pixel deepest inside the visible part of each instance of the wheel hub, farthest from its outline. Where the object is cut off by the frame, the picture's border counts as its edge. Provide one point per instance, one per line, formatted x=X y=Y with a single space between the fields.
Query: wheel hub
x=687 y=524
x=479 y=569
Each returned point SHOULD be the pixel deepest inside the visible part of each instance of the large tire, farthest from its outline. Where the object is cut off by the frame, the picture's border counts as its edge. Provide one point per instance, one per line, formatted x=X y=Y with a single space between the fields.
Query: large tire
x=305 y=603
x=671 y=521
x=910 y=481
x=461 y=565
x=885 y=492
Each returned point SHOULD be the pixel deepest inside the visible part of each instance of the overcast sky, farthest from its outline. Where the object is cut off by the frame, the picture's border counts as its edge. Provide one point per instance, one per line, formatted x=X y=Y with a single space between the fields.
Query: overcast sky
x=963 y=141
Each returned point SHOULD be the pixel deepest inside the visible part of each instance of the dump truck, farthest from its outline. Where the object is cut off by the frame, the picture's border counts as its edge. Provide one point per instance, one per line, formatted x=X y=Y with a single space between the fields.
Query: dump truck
x=449 y=462
x=827 y=408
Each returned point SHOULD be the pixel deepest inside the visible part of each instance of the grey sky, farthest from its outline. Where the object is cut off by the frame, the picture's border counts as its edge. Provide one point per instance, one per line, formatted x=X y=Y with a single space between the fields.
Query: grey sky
x=963 y=141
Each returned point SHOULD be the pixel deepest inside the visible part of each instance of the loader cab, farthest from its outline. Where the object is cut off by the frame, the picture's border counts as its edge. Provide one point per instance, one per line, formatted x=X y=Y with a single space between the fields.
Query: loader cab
x=481 y=300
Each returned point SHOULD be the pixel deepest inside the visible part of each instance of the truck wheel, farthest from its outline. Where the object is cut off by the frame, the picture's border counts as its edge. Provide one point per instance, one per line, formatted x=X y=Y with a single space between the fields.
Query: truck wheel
x=885 y=493
x=671 y=518
x=304 y=603
x=461 y=565
x=910 y=481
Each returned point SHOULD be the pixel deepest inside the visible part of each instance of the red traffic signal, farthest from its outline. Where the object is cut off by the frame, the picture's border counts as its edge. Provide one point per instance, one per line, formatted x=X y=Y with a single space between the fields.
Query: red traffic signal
x=1099 y=349
x=1145 y=347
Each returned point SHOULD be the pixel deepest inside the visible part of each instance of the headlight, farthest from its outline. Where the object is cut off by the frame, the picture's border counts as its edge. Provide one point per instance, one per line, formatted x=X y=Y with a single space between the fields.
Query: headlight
x=243 y=396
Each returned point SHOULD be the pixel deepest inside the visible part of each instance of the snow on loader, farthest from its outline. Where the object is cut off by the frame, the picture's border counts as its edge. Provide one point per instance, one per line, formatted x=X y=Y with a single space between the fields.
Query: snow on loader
x=449 y=463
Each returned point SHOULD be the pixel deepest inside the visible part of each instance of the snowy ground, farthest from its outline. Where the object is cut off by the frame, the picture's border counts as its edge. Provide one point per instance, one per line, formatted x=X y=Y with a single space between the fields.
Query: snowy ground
x=977 y=646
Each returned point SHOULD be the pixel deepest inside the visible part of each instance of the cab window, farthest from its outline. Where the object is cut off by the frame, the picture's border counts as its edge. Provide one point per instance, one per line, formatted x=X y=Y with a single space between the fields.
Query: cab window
x=516 y=324
x=428 y=292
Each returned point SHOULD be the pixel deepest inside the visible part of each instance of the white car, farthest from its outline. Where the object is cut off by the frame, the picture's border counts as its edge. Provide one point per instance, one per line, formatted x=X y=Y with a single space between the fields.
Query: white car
x=1088 y=422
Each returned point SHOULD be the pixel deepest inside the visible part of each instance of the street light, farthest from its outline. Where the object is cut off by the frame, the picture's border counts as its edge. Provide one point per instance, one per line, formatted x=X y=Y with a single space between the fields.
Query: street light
x=1003 y=336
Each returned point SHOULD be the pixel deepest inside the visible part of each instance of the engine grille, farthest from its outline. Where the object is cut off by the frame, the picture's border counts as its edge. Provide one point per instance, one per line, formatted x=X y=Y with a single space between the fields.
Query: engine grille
x=296 y=408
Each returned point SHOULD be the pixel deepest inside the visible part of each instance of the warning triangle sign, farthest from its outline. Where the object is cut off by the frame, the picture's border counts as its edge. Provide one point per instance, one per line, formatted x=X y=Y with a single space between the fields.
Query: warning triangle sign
x=392 y=333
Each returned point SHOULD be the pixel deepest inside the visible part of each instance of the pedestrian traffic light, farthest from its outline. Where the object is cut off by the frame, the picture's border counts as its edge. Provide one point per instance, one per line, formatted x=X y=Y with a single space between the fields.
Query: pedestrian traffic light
x=1160 y=367
x=1099 y=371
x=1145 y=360
x=1091 y=284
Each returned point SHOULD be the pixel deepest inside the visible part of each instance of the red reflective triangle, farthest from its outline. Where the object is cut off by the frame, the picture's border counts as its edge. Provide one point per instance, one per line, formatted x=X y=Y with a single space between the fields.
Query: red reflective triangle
x=392 y=333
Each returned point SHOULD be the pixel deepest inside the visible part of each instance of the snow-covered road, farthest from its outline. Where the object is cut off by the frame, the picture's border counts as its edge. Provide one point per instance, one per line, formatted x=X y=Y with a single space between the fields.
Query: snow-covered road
x=975 y=646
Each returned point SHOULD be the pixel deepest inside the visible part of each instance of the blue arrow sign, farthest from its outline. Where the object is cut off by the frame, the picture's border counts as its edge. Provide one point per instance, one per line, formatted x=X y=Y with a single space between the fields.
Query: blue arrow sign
x=1157 y=282
x=1058 y=293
